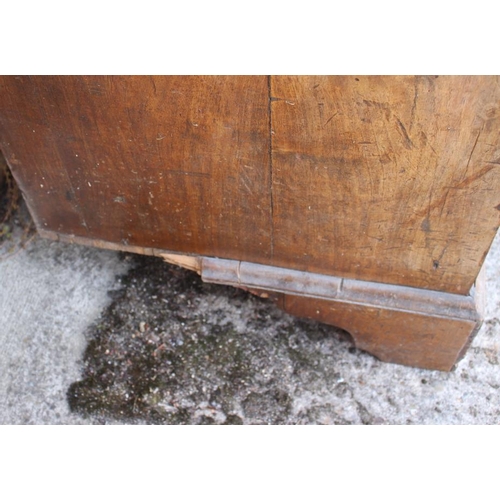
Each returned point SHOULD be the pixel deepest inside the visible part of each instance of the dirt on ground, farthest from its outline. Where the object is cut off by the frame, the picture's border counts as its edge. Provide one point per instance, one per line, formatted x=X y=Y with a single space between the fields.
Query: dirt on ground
x=172 y=349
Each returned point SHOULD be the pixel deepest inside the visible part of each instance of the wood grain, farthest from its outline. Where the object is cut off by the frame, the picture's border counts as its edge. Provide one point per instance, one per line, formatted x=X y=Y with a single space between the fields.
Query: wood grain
x=386 y=179
x=179 y=163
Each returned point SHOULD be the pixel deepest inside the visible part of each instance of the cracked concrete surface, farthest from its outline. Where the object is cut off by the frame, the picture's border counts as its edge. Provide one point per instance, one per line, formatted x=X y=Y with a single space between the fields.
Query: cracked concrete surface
x=93 y=336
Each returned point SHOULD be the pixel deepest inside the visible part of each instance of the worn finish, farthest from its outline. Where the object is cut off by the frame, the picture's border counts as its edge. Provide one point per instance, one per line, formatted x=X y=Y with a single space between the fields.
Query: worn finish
x=385 y=179
x=179 y=163
x=364 y=202
x=393 y=179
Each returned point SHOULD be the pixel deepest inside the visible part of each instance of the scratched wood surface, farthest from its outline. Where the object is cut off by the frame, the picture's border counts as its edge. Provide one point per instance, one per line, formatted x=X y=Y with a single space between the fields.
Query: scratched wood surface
x=391 y=179
x=180 y=163
x=385 y=179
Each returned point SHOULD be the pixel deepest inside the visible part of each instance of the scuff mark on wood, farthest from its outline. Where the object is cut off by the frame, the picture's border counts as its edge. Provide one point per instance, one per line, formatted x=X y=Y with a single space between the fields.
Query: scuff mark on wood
x=376 y=104
x=275 y=99
x=465 y=182
x=426 y=225
x=414 y=106
x=425 y=142
x=472 y=152
x=406 y=137
x=439 y=202
x=184 y=172
x=331 y=118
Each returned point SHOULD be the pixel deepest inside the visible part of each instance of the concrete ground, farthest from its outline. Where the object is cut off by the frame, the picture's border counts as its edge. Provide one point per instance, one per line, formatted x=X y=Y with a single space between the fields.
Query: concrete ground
x=93 y=336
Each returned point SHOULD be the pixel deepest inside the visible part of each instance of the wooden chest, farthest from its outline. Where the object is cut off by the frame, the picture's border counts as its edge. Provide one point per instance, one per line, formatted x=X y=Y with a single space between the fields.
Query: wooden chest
x=366 y=202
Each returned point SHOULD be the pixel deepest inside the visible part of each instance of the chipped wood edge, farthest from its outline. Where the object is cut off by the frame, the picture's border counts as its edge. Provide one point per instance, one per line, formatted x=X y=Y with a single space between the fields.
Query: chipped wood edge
x=186 y=261
x=191 y=262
